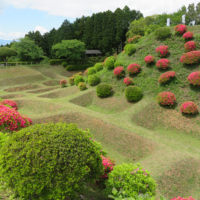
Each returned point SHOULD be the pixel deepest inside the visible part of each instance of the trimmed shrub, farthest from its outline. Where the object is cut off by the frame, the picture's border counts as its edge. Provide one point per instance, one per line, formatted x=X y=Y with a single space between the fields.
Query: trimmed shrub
x=64 y=64
x=162 y=51
x=188 y=35
x=133 y=93
x=113 y=57
x=134 y=39
x=105 y=61
x=149 y=59
x=55 y=161
x=189 y=107
x=167 y=76
x=163 y=63
x=182 y=198
x=119 y=71
x=194 y=78
x=190 y=46
x=166 y=98
x=180 y=29
x=77 y=67
x=56 y=61
x=63 y=83
x=128 y=81
x=104 y=89
x=11 y=103
x=11 y=120
x=118 y=63
x=132 y=179
x=78 y=79
x=86 y=72
x=71 y=80
x=190 y=57
x=82 y=86
x=133 y=68
x=109 y=63
x=93 y=79
x=98 y=66
x=72 y=62
x=3 y=137
x=130 y=49
x=163 y=32
x=91 y=70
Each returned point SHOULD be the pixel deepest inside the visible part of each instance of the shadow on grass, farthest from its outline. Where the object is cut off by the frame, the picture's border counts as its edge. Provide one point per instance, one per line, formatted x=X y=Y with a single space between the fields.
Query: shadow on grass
x=150 y=65
x=167 y=107
x=165 y=70
x=190 y=116
x=191 y=66
x=194 y=88
x=110 y=95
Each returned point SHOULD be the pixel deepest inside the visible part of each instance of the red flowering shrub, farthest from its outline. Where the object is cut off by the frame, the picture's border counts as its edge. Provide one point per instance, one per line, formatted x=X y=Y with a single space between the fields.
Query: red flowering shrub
x=63 y=83
x=163 y=63
x=180 y=29
x=162 y=51
x=128 y=81
x=189 y=107
x=181 y=198
x=133 y=68
x=190 y=57
x=86 y=72
x=119 y=71
x=166 y=76
x=123 y=51
x=11 y=120
x=194 y=78
x=149 y=59
x=190 y=46
x=166 y=98
x=134 y=39
x=188 y=35
x=11 y=103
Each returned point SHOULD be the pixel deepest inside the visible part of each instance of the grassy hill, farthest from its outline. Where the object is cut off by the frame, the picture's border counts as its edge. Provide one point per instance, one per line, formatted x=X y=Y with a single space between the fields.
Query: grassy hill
x=164 y=141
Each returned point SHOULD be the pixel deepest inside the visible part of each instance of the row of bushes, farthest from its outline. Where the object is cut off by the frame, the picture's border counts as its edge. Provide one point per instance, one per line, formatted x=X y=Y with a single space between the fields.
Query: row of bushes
x=65 y=62
x=17 y=63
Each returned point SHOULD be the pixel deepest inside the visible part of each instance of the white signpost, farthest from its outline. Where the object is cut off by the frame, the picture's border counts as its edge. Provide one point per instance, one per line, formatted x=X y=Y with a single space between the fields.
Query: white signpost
x=168 y=21
x=183 y=19
x=193 y=22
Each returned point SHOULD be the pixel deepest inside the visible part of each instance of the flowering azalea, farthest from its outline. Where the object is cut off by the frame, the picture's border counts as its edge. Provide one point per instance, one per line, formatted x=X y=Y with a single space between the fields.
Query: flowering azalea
x=149 y=59
x=11 y=103
x=162 y=51
x=166 y=98
x=133 y=68
x=128 y=81
x=163 y=63
x=63 y=83
x=188 y=35
x=119 y=71
x=166 y=76
x=189 y=107
x=190 y=46
x=181 y=28
x=190 y=57
x=194 y=78
x=181 y=198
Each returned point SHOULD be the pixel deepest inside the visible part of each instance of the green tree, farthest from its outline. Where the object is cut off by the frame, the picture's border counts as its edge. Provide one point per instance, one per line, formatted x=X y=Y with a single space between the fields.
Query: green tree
x=191 y=12
x=6 y=52
x=70 y=49
x=198 y=13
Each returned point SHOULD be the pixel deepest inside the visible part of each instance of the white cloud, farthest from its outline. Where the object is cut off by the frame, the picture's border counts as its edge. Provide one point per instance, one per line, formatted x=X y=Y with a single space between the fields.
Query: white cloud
x=41 y=29
x=3 y=5
x=11 y=35
x=78 y=8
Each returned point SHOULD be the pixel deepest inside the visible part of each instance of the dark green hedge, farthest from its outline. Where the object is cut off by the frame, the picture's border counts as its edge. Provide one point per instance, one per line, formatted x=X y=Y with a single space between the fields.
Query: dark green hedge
x=77 y=67
x=56 y=61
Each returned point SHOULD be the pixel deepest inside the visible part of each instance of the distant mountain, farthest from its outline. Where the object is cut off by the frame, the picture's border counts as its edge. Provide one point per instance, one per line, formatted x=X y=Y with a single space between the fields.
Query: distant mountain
x=4 y=42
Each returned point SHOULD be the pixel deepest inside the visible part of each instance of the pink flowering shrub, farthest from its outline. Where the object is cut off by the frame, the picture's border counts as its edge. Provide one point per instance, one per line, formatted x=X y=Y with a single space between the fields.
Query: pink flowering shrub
x=181 y=198
x=63 y=83
x=11 y=120
x=166 y=98
x=133 y=68
x=190 y=57
x=162 y=51
x=194 y=78
x=134 y=39
x=166 y=76
x=11 y=103
x=189 y=107
x=190 y=46
x=149 y=59
x=123 y=51
x=188 y=35
x=119 y=71
x=128 y=81
x=163 y=63
x=180 y=29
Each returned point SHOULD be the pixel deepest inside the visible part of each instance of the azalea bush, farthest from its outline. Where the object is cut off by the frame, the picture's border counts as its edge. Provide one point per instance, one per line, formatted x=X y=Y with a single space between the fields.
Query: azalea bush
x=149 y=59
x=190 y=57
x=133 y=68
x=162 y=51
x=194 y=78
x=109 y=63
x=104 y=61
x=91 y=70
x=163 y=32
x=98 y=66
x=166 y=98
x=71 y=80
x=166 y=76
x=130 y=49
x=189 y=107
x=190 y=46
x=63 y=83
x=118 y=63
x=133 y=93
x=119 y=71
x=180 y=29
x=182 y=198
x=188 y=35
x=104 y=89
x=134 y=39
x=163 y=63
x=11 y=103
x=78 y=79
x=86 y=72
x=128 y=81
x=82 y=86
x=93 y=79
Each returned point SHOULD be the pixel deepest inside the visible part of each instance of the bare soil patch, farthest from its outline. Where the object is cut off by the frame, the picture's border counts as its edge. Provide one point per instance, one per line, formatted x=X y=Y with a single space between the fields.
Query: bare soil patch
x=42 y=90
x=10 y=96
x=51 y=83
x=22 y=88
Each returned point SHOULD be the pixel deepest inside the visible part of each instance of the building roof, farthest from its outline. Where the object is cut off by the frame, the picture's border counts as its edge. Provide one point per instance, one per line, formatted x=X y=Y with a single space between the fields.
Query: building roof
x=92 y=52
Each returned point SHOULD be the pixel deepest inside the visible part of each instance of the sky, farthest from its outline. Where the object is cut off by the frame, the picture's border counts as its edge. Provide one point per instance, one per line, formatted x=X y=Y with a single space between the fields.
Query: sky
x=18 y=17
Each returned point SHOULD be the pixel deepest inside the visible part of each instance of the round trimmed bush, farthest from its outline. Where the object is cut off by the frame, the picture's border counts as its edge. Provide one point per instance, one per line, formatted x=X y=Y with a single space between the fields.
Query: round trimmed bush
x=166 y=98
x=190 y=46
x=180 y=29
x=163 y=32
x=64 y=64
x=113 y=57
x=63 y=83
x=78 y=79
x=133 y=179
x=133 y=93
x=104 y=89
x=194 y=78
x=166 y=77
x=109 y=63
x=105 y=61
x=11 y=103
x=51 y=161
x=118 y=63
x=188 y=35
x=128 y=81
x=86 y=72
x=182 y=198
x=189 y=107
x=163 y=63
x=82 y=86
x=133 y=68
x=130 y=49
x=93 y=79
x=98 y=66
x=149 y=59
x=119 y=71
x=91 y=70
x=71 y=80
x=162 y=51
x=190 y=57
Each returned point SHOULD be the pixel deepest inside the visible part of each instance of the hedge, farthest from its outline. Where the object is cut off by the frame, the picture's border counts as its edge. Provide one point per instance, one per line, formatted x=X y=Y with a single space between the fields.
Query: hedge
x=56 y=61
x=77 y=67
